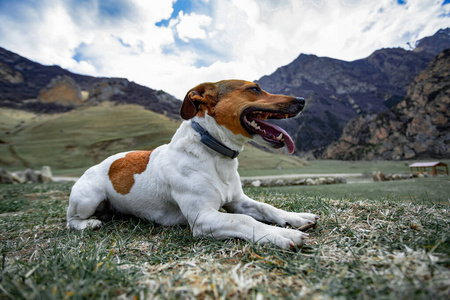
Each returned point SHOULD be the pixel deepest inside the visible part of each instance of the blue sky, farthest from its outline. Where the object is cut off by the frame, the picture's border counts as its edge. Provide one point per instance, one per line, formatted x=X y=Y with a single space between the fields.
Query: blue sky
x=175 y=44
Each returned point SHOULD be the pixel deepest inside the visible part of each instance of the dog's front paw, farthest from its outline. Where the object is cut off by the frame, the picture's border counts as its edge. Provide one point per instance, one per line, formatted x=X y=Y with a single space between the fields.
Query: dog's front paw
x=301 y=221
x=85 y=224
x=284 y=238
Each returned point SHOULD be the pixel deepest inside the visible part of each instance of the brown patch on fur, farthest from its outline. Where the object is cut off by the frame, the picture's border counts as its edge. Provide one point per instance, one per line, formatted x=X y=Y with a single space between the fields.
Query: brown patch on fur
x=121 y=172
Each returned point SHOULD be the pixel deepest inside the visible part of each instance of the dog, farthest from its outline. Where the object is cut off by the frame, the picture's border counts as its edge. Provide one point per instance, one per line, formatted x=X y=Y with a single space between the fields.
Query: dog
x=190 y=179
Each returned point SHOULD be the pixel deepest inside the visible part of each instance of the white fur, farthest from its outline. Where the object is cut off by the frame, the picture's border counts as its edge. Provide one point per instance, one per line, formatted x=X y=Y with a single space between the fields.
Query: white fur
x=187 y=182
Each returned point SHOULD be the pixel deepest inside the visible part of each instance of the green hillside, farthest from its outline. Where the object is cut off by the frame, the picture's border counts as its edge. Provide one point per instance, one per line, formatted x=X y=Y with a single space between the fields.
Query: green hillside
x=71 y=142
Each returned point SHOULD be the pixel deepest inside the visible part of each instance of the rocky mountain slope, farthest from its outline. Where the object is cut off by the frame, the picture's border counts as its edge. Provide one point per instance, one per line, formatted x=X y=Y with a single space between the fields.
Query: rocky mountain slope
x=31 y=86
x=337 y=91
x=417 y=127
x=435 y=43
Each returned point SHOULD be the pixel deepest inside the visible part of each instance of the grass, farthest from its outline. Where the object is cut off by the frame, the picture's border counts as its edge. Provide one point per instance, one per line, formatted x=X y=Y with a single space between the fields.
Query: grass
x=337 y=166
x=384 y=248
x=432 y=190
x=83 y=137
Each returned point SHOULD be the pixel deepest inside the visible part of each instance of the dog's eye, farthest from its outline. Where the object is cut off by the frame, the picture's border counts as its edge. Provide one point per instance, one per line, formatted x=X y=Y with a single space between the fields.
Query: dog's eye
x=255 y=89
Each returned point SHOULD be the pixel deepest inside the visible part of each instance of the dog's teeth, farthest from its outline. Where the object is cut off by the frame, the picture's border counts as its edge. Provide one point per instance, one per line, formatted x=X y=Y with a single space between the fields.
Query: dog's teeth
x=255 y=125
x=280 y=137
x=287 y=116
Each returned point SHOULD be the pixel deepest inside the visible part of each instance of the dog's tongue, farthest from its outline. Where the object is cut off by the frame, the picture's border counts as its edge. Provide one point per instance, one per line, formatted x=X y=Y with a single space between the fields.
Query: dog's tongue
x=271 y=132
x=287 y=139
x=288 y=142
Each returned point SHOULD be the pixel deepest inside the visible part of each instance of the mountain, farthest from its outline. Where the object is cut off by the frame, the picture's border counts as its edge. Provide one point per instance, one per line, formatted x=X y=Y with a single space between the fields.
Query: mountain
x=417 y=127
x=30 y=86
x=338 y=91
x=434 y=44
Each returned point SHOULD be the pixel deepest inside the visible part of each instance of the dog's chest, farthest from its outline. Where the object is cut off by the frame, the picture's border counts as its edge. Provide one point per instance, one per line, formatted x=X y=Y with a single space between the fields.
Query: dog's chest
x=227 y=178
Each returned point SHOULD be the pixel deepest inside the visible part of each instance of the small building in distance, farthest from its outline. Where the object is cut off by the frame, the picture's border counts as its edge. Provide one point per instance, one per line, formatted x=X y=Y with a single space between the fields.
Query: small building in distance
x=423 y=167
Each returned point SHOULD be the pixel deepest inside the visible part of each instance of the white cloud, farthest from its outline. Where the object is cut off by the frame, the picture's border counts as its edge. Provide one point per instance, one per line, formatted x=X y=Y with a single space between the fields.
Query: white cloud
x=231 y=39
x=192 y=26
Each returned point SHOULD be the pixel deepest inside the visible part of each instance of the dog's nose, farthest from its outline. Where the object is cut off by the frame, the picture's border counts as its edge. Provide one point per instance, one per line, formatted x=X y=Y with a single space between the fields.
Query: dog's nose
x=300 y=101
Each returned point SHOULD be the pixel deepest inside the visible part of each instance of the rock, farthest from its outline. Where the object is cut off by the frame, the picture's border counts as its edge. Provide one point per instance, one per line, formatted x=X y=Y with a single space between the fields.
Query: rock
x=322 y=180
x=6 y=177
x=409 y=153
x=376 y=176
x=256 y=183
x=299 y=182
x=31 y=176
x=107 y=88
x=379 y=176
x=279 y=182
x=435 y=43
x=9 y=75
x=341 y=180
x=418 y=126
x=292 y=182
x=45 y=175
x=266 y=182
x=19 y=177
x=61 y=90
x=27 y=176
x=310 y=181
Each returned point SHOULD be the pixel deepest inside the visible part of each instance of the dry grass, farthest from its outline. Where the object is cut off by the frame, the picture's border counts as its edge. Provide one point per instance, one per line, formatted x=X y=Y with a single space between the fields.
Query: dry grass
x=383 y=249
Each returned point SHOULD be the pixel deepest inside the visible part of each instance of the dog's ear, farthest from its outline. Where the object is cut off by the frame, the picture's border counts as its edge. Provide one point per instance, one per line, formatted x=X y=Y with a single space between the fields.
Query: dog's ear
x=188 y=109
x=205 y=93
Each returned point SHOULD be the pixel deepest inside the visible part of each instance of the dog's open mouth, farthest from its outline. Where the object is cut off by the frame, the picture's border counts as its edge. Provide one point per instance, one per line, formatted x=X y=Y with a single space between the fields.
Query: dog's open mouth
x=254 y=122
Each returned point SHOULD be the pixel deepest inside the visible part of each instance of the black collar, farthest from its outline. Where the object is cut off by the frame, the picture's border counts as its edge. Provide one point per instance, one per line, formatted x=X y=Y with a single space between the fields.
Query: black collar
x=211 y=142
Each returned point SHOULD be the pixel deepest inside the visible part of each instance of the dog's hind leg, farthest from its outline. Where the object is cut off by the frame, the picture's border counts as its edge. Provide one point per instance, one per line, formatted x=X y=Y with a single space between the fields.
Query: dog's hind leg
x=83 y=203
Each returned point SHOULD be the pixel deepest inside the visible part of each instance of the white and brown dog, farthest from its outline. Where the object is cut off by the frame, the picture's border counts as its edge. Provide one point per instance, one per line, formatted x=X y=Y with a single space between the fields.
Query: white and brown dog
x=188 y=180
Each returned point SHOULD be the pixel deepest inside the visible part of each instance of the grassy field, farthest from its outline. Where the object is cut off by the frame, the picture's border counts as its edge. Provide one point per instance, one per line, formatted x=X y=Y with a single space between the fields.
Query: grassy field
x=384 y=248
x=77 y=139
x=431 y=190
x=338 y=166
x=383 y=240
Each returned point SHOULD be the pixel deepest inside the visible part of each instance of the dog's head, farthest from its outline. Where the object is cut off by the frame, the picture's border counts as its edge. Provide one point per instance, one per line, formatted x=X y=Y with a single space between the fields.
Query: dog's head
x=242 y=107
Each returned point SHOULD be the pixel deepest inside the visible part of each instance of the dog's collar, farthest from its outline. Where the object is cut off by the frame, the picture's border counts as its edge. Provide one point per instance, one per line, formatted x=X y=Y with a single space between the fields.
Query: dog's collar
x=211 y=142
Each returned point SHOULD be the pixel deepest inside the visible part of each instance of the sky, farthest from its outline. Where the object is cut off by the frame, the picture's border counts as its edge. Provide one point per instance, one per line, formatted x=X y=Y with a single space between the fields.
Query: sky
x=173 y=45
